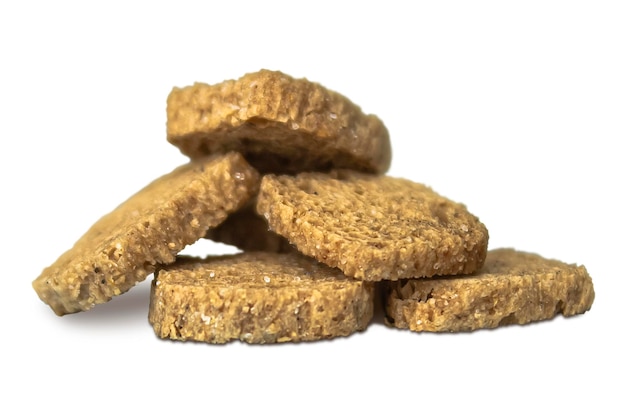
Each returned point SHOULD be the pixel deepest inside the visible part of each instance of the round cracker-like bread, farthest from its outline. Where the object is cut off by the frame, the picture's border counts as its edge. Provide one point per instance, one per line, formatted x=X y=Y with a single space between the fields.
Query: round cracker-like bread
x=248 y=231
x=279 y=123
x=513 y=287
x=373 y=227
x=257 y=297
x=152 y=226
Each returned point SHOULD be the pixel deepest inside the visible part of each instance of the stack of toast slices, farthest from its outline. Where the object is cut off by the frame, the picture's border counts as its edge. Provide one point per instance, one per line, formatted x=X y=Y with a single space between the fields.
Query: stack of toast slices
x=293 y=174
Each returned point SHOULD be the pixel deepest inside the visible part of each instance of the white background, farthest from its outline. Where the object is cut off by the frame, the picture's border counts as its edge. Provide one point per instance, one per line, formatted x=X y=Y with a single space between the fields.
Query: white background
x=516 y=109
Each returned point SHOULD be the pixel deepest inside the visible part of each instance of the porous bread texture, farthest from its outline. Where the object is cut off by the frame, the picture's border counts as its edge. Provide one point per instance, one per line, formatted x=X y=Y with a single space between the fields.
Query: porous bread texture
x=280 y=124
x=373 y=227
x=513 y=287
x=124 y=246
x=248 y=231
x=257 y=297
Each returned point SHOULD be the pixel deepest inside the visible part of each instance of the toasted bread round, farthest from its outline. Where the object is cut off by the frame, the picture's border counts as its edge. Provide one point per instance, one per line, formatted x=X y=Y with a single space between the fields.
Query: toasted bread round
x=257 y=297
x=152 y=226
x=248 y=231
x=373 y=227
x=280 y=124
x=513 y=287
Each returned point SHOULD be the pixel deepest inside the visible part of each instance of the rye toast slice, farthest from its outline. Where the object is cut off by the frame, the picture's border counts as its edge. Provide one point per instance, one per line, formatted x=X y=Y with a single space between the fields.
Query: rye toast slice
x=513 y=287
x=279 y=123
x=151 y=227
x=257 y=297
x=373 y=227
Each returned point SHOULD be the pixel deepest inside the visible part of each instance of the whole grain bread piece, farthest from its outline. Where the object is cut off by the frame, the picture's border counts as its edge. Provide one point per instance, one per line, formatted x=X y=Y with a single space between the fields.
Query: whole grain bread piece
x=123 y=247
x=280 y=124
x=257 y=297
x=513 y=287
x=373 y=227
x=248 y=231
